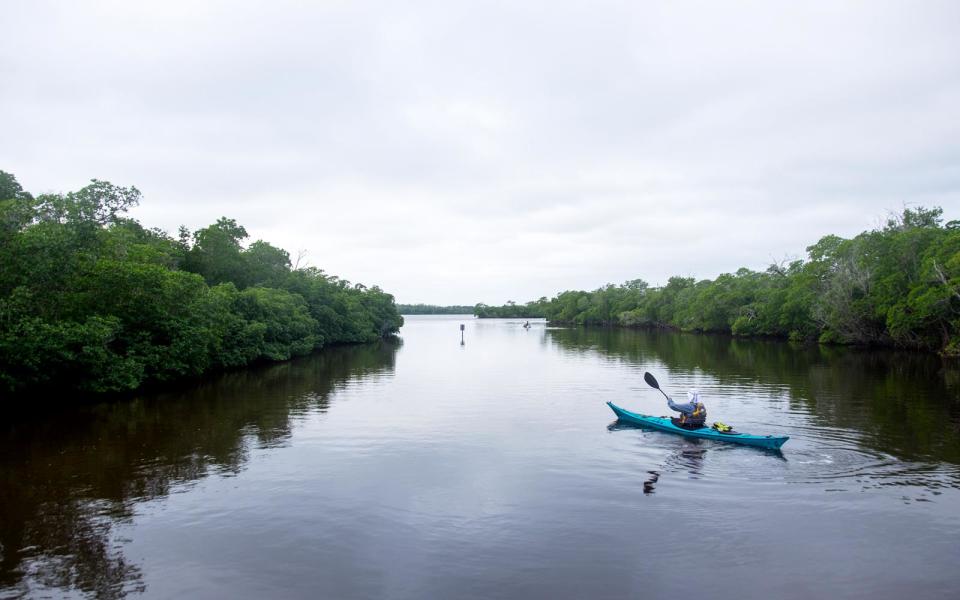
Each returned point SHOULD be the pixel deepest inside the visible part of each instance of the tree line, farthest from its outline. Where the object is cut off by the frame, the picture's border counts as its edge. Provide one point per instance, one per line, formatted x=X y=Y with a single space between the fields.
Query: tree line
x=433 y=309
x=897 y=285
x=512 y=310
x=92 y=301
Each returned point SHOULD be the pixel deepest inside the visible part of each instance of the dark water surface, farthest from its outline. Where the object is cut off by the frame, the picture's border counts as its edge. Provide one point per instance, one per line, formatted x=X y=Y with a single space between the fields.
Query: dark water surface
x=426 y=469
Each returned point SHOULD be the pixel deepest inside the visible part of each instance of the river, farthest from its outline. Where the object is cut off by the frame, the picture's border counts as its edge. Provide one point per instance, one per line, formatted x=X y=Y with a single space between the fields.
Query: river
x=427 y=468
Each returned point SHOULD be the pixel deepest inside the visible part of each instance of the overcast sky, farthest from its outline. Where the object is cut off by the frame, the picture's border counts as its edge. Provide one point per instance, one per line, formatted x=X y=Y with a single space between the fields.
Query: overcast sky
x=460 y=152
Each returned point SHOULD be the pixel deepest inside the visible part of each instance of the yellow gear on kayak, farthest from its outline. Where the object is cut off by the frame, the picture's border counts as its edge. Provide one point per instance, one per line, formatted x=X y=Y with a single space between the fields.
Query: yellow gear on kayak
x=722 y=427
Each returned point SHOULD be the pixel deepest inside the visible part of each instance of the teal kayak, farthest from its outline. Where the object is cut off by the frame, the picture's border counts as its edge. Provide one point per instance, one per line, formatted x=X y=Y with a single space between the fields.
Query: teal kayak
x=664 y=424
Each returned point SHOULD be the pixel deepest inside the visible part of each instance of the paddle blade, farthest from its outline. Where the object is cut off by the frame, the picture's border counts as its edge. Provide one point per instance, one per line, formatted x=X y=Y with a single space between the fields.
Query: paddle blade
x=651 y=380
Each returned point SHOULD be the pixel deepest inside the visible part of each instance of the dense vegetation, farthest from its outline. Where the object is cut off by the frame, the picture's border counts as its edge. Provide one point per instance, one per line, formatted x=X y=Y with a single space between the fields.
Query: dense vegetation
x=898 y=285
x=92 y=301
x=431 y=309
x=512 y=310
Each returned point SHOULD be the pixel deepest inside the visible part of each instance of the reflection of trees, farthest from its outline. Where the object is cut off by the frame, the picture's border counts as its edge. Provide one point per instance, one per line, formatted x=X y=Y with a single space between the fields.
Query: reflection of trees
x=66 y=480
x=905 y=404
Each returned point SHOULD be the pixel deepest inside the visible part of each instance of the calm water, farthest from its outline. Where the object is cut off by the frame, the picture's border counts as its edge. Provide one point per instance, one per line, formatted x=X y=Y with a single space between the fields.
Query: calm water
x=426 y=469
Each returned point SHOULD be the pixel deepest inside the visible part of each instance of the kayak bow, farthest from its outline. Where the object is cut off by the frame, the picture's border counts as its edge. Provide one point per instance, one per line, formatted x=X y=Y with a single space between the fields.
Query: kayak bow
x=664 y=424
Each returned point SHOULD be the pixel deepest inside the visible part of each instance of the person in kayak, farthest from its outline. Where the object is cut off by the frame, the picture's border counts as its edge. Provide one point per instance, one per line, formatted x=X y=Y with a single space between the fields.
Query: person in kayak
x=693 y=414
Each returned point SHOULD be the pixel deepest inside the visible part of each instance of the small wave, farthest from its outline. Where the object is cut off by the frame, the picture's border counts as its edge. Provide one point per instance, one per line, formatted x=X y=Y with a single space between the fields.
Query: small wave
x=829 y=458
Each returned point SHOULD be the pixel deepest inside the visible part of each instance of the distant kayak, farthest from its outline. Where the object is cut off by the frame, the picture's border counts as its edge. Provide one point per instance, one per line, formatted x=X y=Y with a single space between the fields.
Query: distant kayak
x=664 y=424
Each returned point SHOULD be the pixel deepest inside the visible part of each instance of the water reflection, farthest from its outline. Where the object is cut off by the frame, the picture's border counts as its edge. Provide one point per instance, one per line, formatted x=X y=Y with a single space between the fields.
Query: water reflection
x=487 y=472
x=686 y=459
x=687 y=456
x=648 y=485
x=68 y=479
x=902 y=404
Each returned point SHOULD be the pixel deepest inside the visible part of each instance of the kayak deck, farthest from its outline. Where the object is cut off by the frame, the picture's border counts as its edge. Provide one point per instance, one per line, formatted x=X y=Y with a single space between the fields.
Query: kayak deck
x=665 y=424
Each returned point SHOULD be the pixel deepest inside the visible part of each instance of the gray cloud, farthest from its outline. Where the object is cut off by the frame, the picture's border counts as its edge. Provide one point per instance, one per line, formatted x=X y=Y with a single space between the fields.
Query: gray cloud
x=463 y=152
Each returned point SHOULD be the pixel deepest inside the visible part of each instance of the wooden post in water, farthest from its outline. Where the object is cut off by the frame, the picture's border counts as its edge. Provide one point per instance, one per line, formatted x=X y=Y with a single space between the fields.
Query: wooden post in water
x=462 y=327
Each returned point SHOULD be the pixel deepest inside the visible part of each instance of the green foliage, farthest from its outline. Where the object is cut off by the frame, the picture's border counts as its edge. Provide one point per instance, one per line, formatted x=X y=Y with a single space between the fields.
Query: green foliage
x=895 y=286
x=93 y=301
x=283 y=325
x=431 y=309
x=217 y=253
x=511 y=310
x=266 y=264
x=97 y=204
x=10 y=188
x=16 y=207
x=36 y=352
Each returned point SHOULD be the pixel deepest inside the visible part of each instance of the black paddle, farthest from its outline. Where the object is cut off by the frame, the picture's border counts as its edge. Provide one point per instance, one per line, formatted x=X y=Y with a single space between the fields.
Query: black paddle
x=652 y=382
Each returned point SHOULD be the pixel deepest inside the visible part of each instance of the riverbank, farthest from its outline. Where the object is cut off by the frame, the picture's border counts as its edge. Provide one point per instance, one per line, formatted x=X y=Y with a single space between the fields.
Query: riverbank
x=895 y=286
x=93 y=302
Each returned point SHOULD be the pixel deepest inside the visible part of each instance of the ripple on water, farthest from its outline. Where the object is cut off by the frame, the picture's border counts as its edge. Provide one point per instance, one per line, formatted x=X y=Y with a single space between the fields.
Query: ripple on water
x=833 y=460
